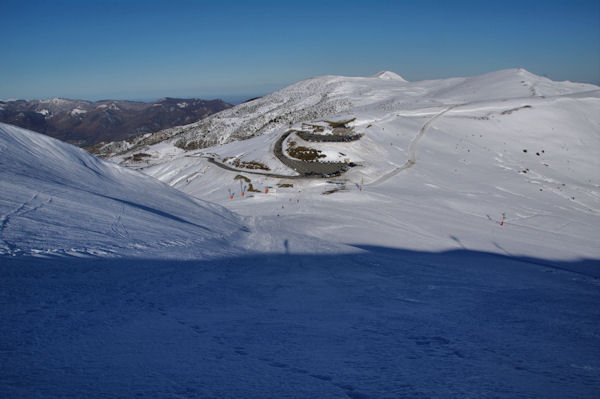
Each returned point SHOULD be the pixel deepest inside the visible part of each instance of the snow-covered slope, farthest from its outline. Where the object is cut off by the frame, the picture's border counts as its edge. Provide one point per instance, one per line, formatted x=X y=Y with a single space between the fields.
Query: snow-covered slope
x=57 y=199
x=326 y=96
x=458 y=258
x=503 y=162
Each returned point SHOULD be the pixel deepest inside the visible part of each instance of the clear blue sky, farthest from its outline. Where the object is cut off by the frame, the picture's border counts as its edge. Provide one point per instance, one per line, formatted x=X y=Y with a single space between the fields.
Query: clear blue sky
x=150 y=49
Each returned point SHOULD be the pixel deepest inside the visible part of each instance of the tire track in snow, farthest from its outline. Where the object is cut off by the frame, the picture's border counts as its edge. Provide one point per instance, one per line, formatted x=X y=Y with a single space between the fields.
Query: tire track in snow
x=412 y=149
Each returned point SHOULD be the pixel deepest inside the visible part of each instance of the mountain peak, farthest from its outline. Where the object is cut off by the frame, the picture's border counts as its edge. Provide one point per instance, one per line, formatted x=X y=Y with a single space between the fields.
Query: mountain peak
x=389 y=75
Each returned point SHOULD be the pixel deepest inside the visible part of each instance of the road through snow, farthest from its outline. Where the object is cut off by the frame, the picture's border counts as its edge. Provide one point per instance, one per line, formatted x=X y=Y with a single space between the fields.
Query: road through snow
x=412 y=150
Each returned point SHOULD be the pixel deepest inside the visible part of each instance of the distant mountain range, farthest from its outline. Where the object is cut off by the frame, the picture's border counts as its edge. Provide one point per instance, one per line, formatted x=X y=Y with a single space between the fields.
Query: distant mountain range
x=86 y=123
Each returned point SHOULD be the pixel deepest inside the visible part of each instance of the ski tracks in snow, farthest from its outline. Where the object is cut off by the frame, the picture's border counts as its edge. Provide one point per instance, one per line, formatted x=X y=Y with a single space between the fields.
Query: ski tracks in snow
x=31 y=205
x=412 y=149
x=117 y=227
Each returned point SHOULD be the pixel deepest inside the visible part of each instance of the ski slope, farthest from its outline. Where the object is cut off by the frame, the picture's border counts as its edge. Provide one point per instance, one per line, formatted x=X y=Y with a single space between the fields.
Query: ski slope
x=440 y=163
x=459 y=258
x=59 y=200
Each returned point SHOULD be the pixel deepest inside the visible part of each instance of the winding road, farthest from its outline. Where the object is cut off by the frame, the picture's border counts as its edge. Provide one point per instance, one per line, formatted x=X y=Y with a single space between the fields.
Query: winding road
x=306 y=170
x=227 y=167
x=336 y=167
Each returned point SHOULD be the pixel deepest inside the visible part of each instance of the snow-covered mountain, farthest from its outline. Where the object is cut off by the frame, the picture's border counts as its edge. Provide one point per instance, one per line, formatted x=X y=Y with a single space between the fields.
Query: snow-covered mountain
x=452 y=251
x=503 y=162
x=325 y=96
x=57 y=199
x=87 y=123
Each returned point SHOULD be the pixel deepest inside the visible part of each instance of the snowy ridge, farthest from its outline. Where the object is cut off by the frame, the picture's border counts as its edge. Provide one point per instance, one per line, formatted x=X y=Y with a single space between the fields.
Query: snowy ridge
x=510 y=83
x=304 y=101
x=327 y=96
x=59 y=200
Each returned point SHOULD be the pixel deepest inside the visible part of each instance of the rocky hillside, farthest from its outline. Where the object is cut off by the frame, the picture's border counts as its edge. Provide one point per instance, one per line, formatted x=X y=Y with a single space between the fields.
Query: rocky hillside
x=86 y=123
x=306 y=100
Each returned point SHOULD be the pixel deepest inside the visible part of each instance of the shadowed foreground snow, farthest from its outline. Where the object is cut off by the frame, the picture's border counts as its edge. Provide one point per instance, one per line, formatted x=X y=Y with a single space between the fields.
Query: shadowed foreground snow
x=383 y=323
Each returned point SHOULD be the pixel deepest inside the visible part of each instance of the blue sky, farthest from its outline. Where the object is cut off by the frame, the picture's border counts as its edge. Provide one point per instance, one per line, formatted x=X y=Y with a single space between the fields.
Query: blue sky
x=151 y=49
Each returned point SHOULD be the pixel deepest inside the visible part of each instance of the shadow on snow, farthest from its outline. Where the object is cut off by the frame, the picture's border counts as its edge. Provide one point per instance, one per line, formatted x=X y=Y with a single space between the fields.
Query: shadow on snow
x=381 y=323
